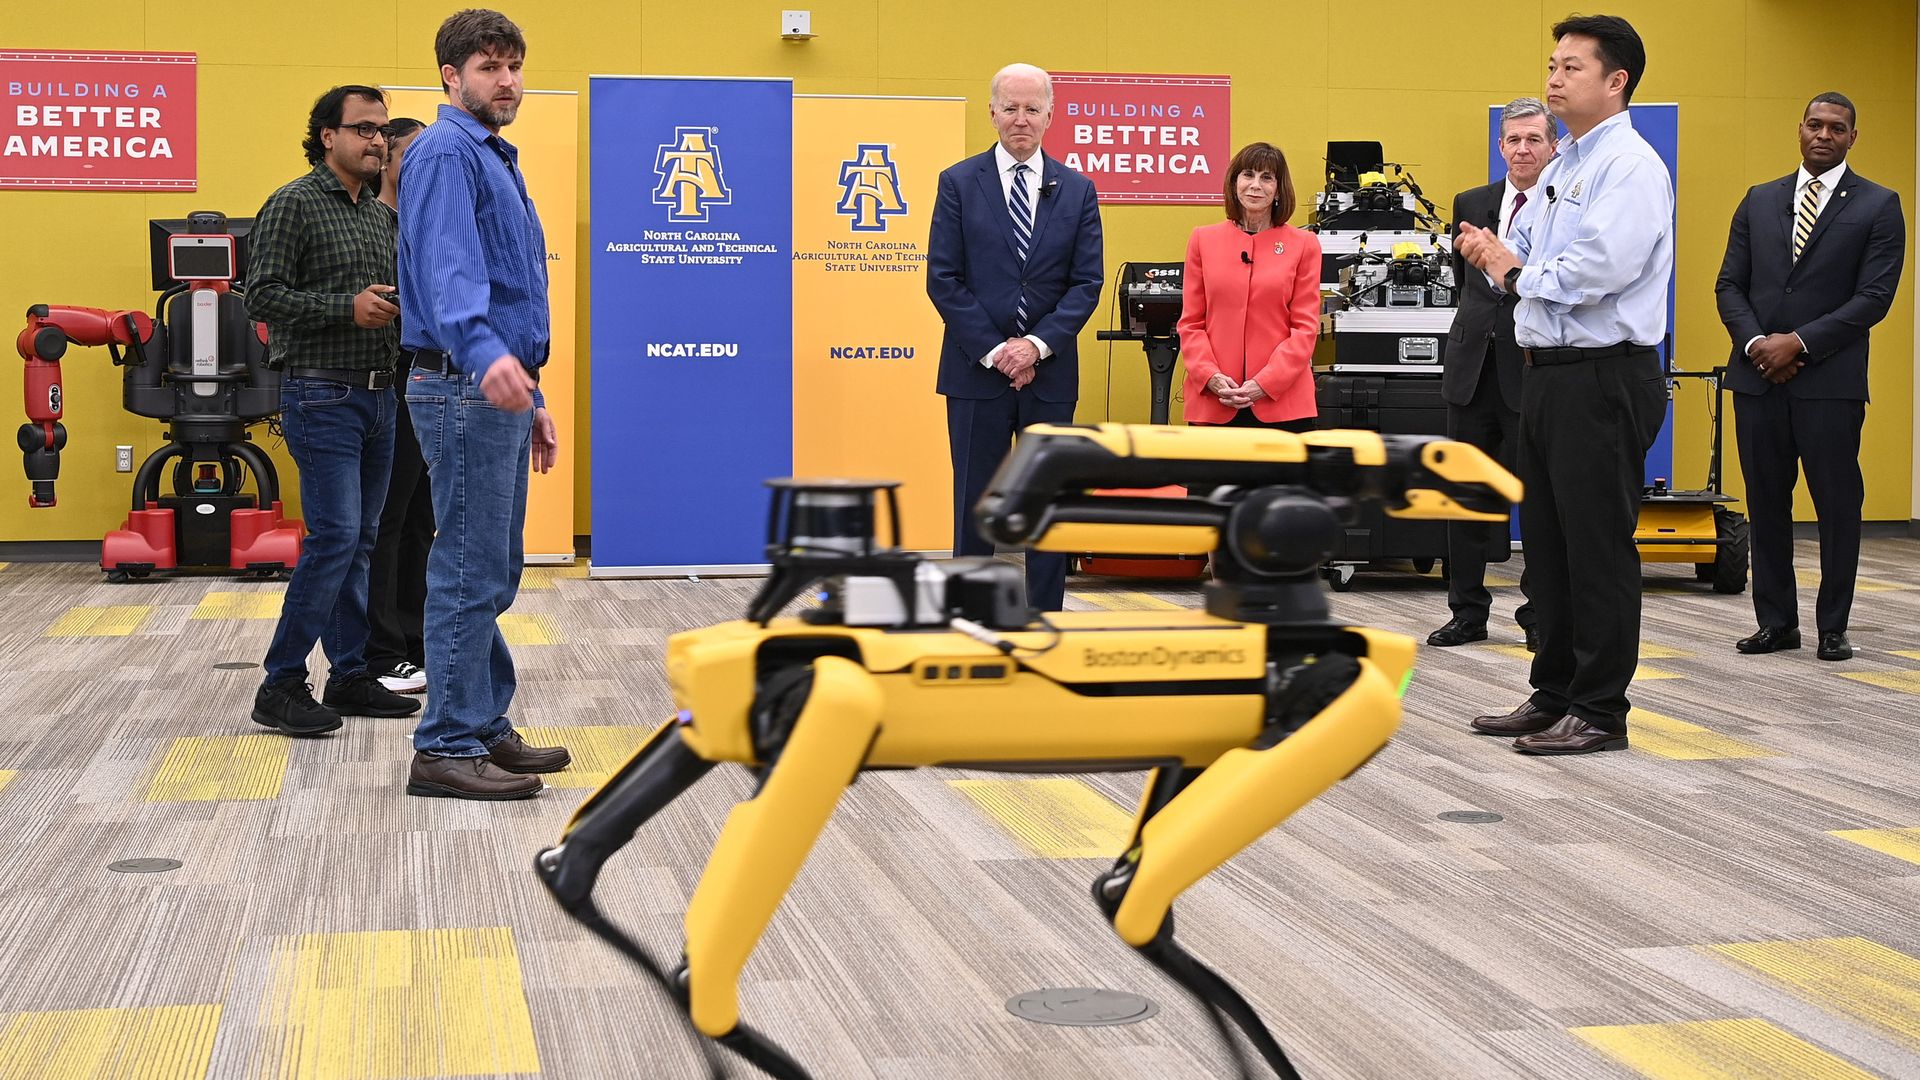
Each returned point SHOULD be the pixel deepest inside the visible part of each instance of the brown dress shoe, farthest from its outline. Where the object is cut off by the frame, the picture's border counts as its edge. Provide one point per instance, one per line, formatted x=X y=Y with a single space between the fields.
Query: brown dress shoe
x=1524 y=720
x=467 y=778
x=514 y=755
x=1571 y=735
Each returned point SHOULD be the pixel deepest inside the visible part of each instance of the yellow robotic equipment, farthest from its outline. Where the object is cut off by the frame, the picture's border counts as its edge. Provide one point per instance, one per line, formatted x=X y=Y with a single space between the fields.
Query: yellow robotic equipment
x=1243 y=712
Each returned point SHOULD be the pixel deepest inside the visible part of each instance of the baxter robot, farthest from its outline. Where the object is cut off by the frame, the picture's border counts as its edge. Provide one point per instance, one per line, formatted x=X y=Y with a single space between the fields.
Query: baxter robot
x=1240 y=714
x=199 y=364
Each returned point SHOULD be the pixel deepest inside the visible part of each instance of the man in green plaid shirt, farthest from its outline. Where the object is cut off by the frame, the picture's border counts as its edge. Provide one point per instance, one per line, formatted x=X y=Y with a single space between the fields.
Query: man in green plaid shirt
x=320 y=250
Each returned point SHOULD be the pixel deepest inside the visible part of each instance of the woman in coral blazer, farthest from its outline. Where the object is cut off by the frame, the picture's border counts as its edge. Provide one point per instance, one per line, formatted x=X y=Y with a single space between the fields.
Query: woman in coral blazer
x=1252 y=304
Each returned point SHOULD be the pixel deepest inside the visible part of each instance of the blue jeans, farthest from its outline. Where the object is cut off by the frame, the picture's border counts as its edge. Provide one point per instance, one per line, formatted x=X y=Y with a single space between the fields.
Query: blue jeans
x=476 y=458
x=341 y=437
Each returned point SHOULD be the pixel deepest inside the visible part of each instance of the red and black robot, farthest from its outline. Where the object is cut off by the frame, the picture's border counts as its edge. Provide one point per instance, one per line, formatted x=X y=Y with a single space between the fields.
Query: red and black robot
x=199 y=364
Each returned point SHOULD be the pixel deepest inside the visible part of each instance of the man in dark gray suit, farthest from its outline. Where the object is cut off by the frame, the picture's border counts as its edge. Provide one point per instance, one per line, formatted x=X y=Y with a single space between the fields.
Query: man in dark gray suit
x=1812 y=264
x=1481 y=381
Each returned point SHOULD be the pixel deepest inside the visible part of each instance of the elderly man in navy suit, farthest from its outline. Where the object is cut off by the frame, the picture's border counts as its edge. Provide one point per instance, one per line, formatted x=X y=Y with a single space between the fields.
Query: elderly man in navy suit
x=1812 y=264
x=1014 y=268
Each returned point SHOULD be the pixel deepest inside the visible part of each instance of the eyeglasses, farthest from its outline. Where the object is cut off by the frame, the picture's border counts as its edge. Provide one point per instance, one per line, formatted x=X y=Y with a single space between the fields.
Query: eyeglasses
x=365 y=131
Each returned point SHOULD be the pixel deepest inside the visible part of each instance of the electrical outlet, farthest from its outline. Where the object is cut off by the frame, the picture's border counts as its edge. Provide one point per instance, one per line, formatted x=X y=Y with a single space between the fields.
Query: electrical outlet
x=123 y=459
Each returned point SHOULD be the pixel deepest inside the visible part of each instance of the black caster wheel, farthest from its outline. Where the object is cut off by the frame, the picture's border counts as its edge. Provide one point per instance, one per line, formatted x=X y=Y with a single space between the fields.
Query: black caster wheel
x=1339 y=578
x=1423 y=566
x=117 y=577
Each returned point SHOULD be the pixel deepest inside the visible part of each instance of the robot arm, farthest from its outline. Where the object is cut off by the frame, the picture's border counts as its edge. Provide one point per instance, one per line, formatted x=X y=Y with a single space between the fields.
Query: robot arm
x=44 y=341
x=1040 y=496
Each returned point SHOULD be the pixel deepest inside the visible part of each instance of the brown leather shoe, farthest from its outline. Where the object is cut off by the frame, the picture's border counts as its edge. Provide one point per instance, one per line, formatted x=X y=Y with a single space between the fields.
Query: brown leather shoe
x=467 y=778
x=1571 y=735
x=514 y=755
x=1524 y=720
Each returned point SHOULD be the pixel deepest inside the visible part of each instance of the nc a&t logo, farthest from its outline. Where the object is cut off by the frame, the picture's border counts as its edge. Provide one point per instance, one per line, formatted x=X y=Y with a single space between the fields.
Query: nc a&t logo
x=870 y=188
x=690 y=176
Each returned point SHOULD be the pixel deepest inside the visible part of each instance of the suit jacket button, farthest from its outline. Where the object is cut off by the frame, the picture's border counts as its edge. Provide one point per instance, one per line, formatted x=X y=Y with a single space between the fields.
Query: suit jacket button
x=1789 y=288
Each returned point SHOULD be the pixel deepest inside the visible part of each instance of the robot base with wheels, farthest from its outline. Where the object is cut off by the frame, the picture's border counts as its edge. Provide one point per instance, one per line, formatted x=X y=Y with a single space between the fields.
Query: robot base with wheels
x=1697 y=526
x=199 y=364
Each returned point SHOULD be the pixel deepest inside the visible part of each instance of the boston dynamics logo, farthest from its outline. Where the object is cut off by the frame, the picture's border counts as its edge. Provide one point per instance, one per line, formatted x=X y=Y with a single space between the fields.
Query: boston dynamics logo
x=870 y=188
x=691 y=179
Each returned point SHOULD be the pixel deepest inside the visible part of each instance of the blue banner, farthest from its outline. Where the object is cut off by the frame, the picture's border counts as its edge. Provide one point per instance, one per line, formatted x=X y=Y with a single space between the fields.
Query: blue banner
x=691 y=318
x=1659 y=124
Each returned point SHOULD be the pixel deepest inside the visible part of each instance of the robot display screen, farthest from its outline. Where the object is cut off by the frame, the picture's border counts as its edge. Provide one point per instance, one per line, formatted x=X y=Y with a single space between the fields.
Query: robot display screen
x=201 y=258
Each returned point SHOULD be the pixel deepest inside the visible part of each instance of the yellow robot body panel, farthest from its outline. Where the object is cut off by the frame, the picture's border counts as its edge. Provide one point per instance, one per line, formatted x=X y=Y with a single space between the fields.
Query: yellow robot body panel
x=1002 y=725
x=950 y=698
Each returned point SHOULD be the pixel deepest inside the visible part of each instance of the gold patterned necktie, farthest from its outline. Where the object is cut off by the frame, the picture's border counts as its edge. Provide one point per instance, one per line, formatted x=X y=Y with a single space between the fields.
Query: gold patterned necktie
x=1803 y=221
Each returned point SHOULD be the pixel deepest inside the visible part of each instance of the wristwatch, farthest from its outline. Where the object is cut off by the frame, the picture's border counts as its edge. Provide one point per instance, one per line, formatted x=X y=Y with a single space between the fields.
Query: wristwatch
x=1512 y=280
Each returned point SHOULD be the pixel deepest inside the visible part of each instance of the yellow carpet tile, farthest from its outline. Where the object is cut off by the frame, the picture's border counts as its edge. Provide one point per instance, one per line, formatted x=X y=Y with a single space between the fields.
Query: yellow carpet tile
x=1854 y=976
x=1899 y=843
x=1663 y=736
x=531 y=630
x=1907 y=682
x=537 y=578
x=239 y=605
x=209 y=768
x=1055 y=818
x=597 y=751
x=169 y=1042
x=398 y=1003
x=1717 y=1050
x=118 y=620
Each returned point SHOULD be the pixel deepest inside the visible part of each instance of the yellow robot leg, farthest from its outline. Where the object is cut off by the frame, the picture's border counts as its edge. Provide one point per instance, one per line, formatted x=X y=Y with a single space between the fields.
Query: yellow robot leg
x=767 y=838
x=1189 y=825
x=1245 y=793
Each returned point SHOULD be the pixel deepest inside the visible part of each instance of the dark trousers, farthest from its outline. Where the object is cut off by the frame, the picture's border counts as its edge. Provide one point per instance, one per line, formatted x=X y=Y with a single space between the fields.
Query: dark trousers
x=1585 y=428
x=980 y=432
x=341 y=438
x=397 y=577
x=1487 y=423
x=1777 y=435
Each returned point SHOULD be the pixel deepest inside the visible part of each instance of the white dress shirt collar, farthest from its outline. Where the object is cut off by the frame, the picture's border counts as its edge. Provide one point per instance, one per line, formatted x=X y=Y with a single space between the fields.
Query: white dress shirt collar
x=1828 y=180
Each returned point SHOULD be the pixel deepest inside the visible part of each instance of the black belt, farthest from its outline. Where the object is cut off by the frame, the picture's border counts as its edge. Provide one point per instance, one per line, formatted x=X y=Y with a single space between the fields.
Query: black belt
x=1540 y=357
x=370 y=379
x=434 y=360
x=442 y=363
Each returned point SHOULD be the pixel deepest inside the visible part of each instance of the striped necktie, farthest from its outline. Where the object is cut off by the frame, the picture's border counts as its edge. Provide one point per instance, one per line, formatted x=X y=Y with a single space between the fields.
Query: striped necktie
x=1021 y=208
x=1803 y=221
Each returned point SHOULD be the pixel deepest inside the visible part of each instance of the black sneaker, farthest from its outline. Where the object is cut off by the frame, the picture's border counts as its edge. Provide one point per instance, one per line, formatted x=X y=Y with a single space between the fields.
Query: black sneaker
x=362 y=695
x=289 y=706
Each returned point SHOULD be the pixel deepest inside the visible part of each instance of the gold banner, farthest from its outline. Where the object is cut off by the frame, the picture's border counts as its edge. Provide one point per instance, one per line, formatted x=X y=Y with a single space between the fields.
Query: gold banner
x=866 y=341
x=547 y=131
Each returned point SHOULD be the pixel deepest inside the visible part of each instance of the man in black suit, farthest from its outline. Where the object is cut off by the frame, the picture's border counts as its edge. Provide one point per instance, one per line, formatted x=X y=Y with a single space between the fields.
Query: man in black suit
x=1812 y=264
x=1014 y=268
x=1481 y=381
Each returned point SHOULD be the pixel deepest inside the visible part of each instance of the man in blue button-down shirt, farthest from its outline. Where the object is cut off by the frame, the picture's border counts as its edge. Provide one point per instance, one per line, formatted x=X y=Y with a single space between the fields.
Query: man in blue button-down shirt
x=1590 y=263
x=473 y=302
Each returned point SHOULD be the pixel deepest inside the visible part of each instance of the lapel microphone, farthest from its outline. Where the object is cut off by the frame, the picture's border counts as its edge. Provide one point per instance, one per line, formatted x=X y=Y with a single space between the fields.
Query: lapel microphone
x=1246 y=258
x=1550 y=195
x=1046 y=189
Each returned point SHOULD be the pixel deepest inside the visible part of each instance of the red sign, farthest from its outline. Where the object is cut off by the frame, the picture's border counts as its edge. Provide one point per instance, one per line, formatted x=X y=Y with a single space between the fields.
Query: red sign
x=1144 y=138
x=97 y=121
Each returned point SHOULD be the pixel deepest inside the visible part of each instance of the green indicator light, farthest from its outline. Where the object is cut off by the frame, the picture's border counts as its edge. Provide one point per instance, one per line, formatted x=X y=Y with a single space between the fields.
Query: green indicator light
x=1406 y=681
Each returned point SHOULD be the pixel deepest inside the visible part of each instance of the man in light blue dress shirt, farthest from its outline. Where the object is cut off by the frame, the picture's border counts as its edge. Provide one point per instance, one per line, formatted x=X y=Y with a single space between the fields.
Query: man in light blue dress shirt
x=1590 y=263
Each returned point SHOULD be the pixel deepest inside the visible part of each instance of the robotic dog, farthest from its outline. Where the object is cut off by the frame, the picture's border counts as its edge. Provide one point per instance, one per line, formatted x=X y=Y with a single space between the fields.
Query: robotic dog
x=1243 y=712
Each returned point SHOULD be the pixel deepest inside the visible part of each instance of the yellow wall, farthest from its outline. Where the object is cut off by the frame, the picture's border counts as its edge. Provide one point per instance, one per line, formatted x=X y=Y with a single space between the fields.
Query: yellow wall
x=1304 y=71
